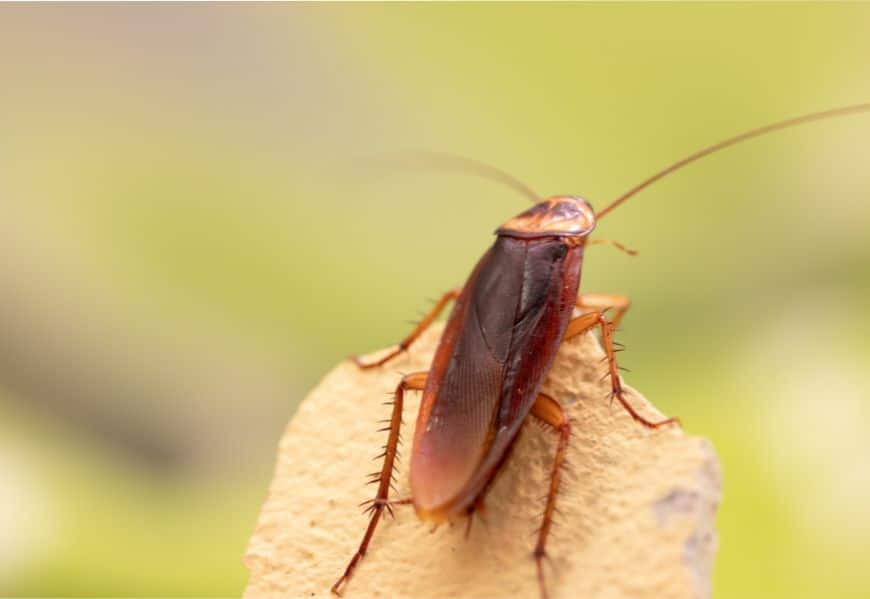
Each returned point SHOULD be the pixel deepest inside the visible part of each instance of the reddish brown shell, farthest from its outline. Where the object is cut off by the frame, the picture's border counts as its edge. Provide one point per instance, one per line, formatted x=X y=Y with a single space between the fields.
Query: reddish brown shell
x=496 y=350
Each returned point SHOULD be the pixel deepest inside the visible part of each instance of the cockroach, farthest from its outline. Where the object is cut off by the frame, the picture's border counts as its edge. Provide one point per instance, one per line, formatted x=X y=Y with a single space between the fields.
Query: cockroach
x=509 y=319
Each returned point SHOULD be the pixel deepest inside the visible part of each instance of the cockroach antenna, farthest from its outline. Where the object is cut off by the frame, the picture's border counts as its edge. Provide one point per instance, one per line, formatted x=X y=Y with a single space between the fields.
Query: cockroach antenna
x=454 y=162
x=757 y=132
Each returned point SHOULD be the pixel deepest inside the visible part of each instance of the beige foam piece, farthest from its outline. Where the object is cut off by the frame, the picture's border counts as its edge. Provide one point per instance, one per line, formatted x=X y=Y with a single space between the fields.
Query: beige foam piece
x=636 y=513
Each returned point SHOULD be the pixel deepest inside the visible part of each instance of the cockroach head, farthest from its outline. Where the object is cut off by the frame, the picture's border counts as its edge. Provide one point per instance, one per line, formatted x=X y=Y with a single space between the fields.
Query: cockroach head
x=558 y=216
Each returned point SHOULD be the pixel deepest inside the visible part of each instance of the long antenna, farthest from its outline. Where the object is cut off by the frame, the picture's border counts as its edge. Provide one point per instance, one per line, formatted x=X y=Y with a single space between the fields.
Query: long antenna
x=806 y=118
x=456 y=163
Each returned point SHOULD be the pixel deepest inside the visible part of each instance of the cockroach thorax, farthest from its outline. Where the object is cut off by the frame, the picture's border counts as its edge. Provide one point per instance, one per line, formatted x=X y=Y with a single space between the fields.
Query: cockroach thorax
x=557 y=216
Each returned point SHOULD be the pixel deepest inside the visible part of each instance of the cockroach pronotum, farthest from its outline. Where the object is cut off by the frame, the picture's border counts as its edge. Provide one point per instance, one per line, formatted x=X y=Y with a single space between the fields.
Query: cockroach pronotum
x=508 y=321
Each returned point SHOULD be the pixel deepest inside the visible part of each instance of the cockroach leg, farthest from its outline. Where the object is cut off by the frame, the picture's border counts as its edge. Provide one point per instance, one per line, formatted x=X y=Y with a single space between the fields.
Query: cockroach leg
x=602 y=301
x=549 y=411
x=371 y=504
x=583 y=323
x=415 y=381
x=405 y=343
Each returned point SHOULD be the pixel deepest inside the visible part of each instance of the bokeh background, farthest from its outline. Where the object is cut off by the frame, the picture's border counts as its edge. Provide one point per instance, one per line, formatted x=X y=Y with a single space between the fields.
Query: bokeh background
x=192 y=234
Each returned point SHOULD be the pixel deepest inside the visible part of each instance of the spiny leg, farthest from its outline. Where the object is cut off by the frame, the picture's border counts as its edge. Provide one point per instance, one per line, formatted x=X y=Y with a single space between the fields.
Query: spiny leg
x=600 y=302
x=549 y=411
x=380 y=502
x=580 y=325
x=405 y=343
x=388 y=504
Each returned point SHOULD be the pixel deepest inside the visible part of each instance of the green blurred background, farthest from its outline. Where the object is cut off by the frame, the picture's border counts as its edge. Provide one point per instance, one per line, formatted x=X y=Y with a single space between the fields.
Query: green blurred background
x=190 y=237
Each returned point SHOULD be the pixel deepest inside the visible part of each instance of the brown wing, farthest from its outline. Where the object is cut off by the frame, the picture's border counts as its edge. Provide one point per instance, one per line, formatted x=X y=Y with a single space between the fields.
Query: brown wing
x=497 y=347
